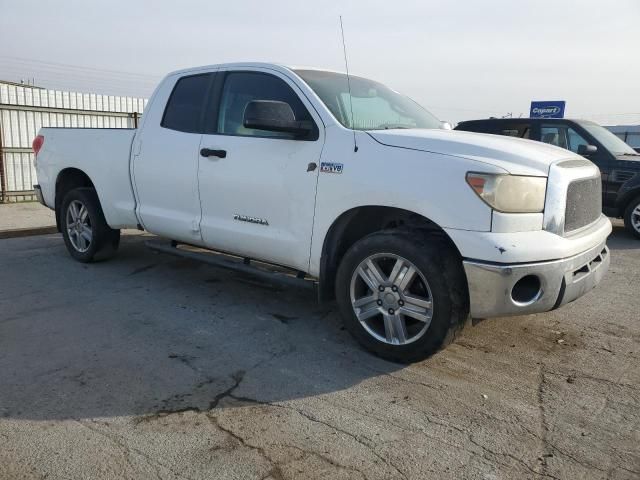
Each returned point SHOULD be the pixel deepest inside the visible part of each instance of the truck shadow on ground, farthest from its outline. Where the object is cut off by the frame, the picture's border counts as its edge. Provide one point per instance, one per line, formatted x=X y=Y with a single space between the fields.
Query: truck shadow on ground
x=147 y=334
x=621 y=239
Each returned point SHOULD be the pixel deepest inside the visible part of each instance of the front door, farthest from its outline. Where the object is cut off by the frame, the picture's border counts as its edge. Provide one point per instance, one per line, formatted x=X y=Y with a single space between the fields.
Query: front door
x=257 y=187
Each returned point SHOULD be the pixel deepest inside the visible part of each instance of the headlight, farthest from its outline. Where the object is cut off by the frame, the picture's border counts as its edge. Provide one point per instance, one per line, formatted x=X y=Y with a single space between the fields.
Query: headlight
x=509 y=193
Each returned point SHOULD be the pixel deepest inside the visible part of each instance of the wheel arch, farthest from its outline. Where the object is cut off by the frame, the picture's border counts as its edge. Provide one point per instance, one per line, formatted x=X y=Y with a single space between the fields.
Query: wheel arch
x=358 y=222
x=626 y=198
x=67 y=180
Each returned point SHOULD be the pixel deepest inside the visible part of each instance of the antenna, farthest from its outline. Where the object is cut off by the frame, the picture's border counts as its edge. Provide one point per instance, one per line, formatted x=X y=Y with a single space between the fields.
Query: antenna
x=346 y=64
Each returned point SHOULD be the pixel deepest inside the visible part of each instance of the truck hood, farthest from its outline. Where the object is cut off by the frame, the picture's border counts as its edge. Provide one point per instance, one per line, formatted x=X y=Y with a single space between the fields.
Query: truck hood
x=515 y=155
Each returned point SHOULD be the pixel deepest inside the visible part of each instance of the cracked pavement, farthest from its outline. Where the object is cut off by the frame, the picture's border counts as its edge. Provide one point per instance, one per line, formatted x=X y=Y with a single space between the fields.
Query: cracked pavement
x=152 y=366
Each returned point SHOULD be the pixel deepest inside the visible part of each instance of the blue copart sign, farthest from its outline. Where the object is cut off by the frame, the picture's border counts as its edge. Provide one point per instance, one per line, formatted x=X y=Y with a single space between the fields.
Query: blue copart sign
x=547 y=109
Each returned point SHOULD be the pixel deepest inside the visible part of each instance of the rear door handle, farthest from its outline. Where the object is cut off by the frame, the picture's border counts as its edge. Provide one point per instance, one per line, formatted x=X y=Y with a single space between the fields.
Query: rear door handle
x=207 y=152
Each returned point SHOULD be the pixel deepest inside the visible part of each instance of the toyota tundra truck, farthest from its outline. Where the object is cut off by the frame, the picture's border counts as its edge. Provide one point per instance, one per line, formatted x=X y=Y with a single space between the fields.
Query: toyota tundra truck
x=410 y=227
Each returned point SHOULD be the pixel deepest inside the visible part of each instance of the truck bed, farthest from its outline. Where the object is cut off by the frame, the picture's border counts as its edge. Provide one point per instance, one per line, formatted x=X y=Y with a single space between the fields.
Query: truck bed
x=103 y=154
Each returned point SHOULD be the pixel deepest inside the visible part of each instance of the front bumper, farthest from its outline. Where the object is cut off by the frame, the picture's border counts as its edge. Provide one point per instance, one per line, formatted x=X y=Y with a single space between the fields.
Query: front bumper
x=491 y=285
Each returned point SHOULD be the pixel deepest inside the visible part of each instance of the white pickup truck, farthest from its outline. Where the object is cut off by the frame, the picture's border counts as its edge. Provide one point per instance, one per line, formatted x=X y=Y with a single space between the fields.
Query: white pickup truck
x=411 y=227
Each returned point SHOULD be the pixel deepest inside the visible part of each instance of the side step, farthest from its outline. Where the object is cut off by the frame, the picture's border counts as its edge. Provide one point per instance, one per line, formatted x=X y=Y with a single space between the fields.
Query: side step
x=269 y=273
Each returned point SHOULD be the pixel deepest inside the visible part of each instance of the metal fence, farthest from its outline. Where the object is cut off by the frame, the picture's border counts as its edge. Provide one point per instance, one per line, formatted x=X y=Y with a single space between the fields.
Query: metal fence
x=25 y=109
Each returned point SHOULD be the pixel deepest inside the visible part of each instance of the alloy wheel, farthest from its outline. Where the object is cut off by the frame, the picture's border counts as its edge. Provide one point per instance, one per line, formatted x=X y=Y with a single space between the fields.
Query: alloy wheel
x=635 y=218
x=79 y=226
x=391 y=299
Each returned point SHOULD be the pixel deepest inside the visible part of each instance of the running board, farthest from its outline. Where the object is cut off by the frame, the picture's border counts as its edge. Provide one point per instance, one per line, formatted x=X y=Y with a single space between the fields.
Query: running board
x=264 y=271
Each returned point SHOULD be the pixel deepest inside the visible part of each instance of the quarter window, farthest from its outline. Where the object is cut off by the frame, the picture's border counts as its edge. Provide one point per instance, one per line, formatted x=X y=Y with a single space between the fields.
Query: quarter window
x=186 y=103
x=240 y=88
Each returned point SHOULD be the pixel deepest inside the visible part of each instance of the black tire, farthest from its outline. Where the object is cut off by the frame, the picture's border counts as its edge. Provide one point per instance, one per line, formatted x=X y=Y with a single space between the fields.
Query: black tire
x=442 y=269
x=104 y=240
x=629 y=217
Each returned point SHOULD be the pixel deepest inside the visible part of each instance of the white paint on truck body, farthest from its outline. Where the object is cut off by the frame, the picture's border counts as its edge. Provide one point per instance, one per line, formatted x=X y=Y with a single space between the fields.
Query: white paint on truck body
x=166 y=186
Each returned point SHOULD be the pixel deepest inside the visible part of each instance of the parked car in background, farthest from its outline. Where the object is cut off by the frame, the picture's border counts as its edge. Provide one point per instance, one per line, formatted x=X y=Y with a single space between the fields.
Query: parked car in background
x=410 y=227
x=629 y=134
x=618 y=162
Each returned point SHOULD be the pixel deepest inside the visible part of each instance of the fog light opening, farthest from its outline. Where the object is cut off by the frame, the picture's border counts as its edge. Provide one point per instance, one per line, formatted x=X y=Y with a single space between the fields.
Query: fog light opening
x=526 y=291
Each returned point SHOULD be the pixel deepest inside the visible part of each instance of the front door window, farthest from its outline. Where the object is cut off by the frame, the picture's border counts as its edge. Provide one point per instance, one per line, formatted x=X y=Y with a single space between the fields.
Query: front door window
x=240 y=88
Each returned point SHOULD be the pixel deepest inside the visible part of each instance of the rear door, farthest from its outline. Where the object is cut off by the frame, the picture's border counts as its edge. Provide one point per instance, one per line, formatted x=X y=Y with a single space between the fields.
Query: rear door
x=258 y=193
x=165 y=169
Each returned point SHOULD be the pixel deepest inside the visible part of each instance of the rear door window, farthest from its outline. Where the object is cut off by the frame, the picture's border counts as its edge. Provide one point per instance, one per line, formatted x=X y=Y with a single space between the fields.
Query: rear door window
x=519 y=130
x=186 y=104
x=562 y=136
x=554 y=135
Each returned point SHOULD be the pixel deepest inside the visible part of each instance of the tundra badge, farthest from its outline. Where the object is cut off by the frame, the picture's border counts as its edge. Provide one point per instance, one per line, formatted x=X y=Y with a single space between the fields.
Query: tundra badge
x=247 y=218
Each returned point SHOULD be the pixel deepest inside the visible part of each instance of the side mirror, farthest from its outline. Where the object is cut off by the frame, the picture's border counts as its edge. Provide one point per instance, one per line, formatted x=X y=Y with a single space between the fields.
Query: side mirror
x=446 y=126
x=274 y=116
x=585 y=150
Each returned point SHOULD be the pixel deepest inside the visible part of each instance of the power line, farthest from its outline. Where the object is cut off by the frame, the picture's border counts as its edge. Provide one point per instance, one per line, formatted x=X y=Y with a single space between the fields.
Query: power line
x=119 y=80
x=53 y=65
x=66 y=76
x=81 y=79
x=75 y=74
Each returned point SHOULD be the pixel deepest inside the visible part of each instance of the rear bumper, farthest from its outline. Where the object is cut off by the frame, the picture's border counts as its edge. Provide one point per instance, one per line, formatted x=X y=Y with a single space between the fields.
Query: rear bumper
x=38 y=192
x=491 y=285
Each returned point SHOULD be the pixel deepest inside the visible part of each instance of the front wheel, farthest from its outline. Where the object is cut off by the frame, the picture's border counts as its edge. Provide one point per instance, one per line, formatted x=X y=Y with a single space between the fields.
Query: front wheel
x=86 y=233
x=632 y=217
x=402 y=295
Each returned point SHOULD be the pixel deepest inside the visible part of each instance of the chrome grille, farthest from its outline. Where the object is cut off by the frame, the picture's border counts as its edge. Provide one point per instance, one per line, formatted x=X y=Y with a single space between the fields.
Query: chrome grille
x=584 y=203
x=574 y=196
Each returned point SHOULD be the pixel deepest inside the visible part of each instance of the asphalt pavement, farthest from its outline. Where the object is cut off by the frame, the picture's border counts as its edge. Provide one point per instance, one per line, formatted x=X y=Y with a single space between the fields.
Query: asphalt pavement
x=152 y=366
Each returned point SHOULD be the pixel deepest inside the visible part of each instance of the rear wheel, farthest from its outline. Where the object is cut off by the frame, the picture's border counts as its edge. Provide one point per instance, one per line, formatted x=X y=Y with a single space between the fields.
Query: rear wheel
x=86 y=233
x=402 y=296
x=632 y=217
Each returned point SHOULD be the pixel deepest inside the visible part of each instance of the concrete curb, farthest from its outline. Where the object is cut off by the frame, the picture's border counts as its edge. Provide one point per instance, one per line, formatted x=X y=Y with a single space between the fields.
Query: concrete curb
x=27 y=232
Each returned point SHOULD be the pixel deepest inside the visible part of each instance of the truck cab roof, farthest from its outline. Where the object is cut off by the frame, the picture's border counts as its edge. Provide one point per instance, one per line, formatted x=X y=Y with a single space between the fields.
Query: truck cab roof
x=232 y=65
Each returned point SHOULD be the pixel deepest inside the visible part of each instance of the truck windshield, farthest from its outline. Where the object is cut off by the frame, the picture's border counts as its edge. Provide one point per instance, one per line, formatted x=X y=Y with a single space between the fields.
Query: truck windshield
x=612 y=143
x=375 y=106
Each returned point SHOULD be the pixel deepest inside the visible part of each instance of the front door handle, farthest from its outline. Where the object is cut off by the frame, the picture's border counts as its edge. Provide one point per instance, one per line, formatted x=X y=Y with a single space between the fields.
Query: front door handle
x=207 y=152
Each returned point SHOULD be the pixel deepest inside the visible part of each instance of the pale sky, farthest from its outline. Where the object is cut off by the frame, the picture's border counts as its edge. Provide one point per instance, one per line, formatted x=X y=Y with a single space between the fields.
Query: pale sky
x=461 y=59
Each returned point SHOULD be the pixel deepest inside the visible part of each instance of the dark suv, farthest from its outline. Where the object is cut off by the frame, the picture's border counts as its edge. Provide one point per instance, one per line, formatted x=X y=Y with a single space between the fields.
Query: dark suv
x=618 y=162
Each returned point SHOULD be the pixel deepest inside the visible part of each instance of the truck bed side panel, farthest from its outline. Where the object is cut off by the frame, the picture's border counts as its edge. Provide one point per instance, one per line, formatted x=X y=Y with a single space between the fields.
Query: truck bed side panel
x=103 y=155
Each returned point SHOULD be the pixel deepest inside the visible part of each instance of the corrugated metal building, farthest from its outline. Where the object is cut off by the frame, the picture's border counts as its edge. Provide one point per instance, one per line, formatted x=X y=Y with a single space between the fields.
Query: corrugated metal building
x=25 y=109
